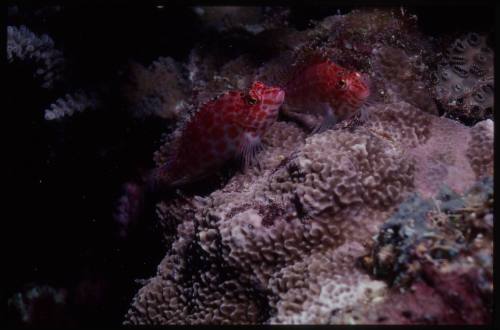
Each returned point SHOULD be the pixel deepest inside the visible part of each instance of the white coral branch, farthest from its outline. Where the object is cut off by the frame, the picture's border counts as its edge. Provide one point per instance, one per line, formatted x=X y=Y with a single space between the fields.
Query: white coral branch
x=24 y=45
x=71 y=103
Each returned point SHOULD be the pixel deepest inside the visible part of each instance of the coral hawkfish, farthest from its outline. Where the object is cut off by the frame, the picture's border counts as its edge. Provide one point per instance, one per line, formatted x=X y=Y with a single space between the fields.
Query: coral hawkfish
x=324 y=88
x=227 y=127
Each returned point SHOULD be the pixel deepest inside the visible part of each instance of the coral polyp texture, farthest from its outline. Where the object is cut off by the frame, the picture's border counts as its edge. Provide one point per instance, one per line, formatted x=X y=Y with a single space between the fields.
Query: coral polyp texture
x=464 y=80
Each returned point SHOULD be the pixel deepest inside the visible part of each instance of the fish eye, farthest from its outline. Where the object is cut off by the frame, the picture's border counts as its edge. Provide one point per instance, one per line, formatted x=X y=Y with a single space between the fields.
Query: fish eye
x=342 y=83
x=250 y=100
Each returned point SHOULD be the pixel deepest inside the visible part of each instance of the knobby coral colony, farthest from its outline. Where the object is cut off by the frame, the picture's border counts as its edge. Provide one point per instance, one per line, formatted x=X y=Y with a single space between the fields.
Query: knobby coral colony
x=384 y=218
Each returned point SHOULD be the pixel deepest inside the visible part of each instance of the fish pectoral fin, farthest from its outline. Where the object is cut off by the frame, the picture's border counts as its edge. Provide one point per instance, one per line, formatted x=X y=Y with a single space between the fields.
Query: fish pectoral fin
x=250 y=146
x=328 y=121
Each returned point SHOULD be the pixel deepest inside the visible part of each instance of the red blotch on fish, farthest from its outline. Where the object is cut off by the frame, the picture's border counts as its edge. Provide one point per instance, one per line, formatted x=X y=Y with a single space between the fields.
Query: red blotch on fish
x=227 y=127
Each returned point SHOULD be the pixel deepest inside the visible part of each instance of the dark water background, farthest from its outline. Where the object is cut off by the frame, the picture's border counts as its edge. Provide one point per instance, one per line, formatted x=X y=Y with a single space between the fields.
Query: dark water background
x=72 y=171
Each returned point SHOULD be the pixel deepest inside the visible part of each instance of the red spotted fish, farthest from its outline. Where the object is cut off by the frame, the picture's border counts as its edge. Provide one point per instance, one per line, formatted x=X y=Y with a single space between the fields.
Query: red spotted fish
x=327 y=89
x=227 y=127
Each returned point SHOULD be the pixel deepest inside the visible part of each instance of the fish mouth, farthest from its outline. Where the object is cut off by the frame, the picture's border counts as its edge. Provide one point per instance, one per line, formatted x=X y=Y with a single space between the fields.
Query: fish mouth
x=367 y=81
x=275 y=96
x=365 y=94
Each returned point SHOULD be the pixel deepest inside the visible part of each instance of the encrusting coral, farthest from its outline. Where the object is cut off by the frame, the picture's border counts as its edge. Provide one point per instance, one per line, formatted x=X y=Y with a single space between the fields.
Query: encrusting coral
x=464 y=79
x=437 y=256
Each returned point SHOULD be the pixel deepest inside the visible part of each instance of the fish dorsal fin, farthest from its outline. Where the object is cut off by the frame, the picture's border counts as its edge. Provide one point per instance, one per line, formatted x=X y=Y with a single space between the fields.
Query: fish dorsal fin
x=169 y=142
x=308 y=56
x=279 y=71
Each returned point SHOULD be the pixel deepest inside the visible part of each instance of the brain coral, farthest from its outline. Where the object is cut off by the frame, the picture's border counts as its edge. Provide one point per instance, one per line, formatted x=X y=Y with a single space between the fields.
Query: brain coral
x=315 y=288
x=430 y=143
x=337 y=169
x=279 y=242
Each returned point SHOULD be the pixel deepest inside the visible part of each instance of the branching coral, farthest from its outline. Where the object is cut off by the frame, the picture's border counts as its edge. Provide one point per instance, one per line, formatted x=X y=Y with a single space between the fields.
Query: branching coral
x=39 y=305
x=24 y=45
x=70 y=104
x=160 y=89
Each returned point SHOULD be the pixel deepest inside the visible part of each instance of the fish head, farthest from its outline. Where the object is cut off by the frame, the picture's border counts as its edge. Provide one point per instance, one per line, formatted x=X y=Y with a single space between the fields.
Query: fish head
x=269 y=97
x=351 y=88
x=352 y=84
x=263 y=102
x=359 y=85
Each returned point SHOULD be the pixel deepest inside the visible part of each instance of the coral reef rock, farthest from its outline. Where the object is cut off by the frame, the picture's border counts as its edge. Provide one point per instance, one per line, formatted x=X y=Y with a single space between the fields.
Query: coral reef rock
x=280 y=243
x=437 y=257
